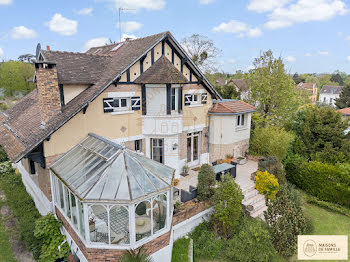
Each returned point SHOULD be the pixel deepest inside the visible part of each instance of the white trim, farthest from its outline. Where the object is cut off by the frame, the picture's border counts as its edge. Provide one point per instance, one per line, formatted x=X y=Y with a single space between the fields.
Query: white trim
x=122 y=112
x=195 y=128
x=129 y=138
x=195 y=105
x=120 y=94
x=195 y=91
x=155 y=85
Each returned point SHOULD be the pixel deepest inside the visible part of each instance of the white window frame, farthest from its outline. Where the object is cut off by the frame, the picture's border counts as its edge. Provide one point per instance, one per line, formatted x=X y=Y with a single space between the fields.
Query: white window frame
x=140 y=145
x=241 y=118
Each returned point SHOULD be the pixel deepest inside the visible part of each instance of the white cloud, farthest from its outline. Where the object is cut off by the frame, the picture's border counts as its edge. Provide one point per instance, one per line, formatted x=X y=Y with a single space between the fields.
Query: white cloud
x=305 y=11
x=22 y=32
x=62 y=25
x=308 y=54
x=136 y=5
x=5 y=2
x=125 y=36
x=323 y=53
x=239 y=28
x=1 y=52
x=261 y=6
x=206 y=2
x=291 y=59
x=85 y=11
x=348 y=58
x=130 y=26
x=231 y=61
x=95 y=42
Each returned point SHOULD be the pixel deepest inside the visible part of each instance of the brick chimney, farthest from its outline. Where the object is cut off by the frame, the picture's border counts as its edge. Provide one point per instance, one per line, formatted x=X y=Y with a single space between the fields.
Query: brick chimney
x=47 y=48
x=48 y=91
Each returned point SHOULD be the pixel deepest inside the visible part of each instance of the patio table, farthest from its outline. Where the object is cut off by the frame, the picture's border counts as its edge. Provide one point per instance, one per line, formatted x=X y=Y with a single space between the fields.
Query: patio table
x=222 y=168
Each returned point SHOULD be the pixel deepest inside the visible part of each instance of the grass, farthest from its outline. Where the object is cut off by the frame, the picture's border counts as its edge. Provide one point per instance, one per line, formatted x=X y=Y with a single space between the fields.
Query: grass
x=6 y=253
x=327 y=222
x=180 y=250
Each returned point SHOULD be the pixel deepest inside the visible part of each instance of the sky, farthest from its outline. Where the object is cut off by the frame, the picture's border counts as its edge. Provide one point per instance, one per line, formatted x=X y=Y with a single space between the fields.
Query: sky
x=310 y=35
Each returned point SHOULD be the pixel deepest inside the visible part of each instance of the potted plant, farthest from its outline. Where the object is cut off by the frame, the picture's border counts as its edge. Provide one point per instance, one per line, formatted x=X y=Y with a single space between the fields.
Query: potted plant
x=185 y=170
x=241 y=160
x=92 y=221
x=229 y=158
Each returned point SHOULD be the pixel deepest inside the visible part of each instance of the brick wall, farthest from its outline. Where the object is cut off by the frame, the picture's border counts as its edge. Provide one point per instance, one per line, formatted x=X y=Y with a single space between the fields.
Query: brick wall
x=104 y=255
x=48 y=93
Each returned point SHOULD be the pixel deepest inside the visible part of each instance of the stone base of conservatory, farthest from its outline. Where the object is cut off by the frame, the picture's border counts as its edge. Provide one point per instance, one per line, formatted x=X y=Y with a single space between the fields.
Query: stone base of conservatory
x=102 y=255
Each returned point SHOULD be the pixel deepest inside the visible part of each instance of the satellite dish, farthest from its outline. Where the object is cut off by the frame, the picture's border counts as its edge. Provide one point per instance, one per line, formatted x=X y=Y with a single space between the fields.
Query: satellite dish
x=38 y=49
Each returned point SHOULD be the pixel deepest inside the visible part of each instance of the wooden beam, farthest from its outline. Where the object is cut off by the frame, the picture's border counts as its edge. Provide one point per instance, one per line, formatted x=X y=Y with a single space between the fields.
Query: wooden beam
x=172 y=56
x=152 y=56
x=128 y=75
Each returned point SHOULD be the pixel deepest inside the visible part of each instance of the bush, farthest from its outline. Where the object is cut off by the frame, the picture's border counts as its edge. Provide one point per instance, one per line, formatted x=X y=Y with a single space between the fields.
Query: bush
x=23 y=208
x=266 y=184
x=271 y=141
x=273 y=166
x=326 y=181
x=329 y=206
x=206 y=182
x=286 y=220
x=5 y=168
x=47 y=230
x=292 y=164
x=3 y=155
x=139 y=255
x=228 y=206
x=207 y=244
x=251 y=243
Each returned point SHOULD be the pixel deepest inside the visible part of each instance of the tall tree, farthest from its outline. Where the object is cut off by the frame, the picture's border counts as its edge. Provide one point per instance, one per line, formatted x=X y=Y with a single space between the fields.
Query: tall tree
x=29 y=58
x=296 y=78
x=272 y=89
x=15 y=77
x=337 y=78
x=344 y=98
x=202 y=51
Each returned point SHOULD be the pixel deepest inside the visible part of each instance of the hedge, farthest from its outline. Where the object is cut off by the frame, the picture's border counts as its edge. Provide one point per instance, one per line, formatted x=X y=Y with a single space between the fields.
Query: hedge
x=326 y=181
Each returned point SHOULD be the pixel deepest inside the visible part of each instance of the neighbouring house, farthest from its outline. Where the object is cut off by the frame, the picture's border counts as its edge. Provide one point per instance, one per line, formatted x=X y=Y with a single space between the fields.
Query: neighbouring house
x=311 y=90
x=328 y=94
x=220 y=82
x=346 y=116
x=100 y=139
x=241 y=87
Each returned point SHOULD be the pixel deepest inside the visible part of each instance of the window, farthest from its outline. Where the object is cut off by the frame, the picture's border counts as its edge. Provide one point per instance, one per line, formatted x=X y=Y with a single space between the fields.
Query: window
x=196 y=99
x=240 y=120
x=138 y=145
x=98 y=224
x=324 y=99
x=32 y=167
x=173 y=98
x=157 y=149
x=119 y=104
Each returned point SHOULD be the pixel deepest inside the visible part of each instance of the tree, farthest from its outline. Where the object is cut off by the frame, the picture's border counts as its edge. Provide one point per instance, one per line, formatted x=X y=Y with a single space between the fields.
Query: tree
x=206 y=182
x=344 y=98
x=228 y=206
x=273 y=166
x=202 y=51
x=325 y=79
x=296 y=78
x=15 y=77
x=227 y=91
x=286 y=220
x=272 y=89
x=312 y=79
x=29 y=58
x=337 y=78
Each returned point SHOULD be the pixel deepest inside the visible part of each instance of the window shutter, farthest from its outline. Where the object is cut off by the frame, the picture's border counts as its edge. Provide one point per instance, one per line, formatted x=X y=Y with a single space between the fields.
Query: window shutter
x=179 y=100
x=188 y=99
x=168 y=99
x=143 y=93
x=204 y=98
x=108 y=105
x=135 y=103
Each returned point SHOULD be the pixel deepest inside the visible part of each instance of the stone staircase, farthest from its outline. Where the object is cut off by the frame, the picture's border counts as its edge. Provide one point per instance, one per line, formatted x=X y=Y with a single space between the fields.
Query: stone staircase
x=253 y=200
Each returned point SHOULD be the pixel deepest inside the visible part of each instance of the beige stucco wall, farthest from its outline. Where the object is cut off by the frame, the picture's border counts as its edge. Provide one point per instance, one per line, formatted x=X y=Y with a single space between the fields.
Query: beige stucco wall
x=96 y=121
x=219 y=151
x=71 y=91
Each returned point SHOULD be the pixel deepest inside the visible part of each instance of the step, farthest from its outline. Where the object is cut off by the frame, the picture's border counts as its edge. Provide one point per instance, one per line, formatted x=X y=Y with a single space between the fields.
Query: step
x=247 y=188
x=250 y=194
x=253 y=200
x=259 y=213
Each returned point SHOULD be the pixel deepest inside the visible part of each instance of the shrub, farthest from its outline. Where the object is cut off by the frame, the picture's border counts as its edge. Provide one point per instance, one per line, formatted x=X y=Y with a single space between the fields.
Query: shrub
x=271 y=141
x=326 y=181
x=23 y=208
x=47 y=230
x=228 y=206
x=3 y=155
x=207 y=244
x=329 y=206
x=286 y=220
x=5 y=168
x=139 y=255
x=251 y=243
x=273 y=166
x=206 y=182
x=292 y=164
x=266 y=184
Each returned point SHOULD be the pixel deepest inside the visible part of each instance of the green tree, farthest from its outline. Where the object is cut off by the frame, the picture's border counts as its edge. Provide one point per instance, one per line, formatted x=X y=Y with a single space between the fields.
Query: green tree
x=312 y=79
x=344 y=98
x=325 y=79
x=337 y=78
x=206 y=182
x=296 y=78
x=286 y=220
x=272 y=89
x=15 y=77
x=227 y=91
x=29 y=58
x=228 y=206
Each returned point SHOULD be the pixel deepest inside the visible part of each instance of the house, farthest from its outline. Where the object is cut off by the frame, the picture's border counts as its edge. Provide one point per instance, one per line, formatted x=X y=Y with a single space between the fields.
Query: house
x=241 y=86
x=310 y=89
x=100 y=139
x=346 y=116
x=220 y=82
x=328 y=94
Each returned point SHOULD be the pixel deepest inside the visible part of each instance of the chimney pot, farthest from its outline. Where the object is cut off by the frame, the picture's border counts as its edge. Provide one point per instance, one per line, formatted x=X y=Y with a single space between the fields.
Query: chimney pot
x=47 y=48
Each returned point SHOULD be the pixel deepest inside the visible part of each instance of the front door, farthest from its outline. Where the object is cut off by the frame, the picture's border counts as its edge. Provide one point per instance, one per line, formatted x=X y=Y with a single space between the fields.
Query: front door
x=193 y=149
x=157 y=149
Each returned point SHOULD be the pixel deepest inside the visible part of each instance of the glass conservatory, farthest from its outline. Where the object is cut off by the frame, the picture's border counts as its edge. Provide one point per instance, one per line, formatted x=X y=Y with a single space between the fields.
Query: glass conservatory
x=111 y=196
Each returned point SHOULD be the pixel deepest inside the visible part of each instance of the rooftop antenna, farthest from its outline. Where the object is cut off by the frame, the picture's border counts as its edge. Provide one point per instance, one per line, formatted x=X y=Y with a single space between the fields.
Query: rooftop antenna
x=120 y=9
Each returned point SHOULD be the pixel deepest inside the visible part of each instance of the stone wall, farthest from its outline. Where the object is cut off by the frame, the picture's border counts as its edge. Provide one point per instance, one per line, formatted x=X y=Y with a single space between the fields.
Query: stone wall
x=219 y=151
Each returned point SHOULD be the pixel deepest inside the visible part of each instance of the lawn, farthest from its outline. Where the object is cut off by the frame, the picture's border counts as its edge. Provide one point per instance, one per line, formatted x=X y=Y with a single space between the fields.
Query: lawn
x=327 y=223
x=5 y=246
x=180 y=250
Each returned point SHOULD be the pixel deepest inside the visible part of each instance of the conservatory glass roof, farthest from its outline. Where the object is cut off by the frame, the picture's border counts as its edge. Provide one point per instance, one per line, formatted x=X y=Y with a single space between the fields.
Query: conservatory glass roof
x=98 y=169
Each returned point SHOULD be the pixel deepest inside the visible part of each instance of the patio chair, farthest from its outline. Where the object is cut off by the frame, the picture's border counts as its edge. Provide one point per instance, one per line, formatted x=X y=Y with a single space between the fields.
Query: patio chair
x=214 y=163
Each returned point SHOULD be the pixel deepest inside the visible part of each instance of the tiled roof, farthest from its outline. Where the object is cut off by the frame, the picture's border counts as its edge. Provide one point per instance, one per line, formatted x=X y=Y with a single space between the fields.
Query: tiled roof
x=240 y=83
x=161 y=72
x=331 y=89
x=231 y=107
x=345 y=111
x=306 y=85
